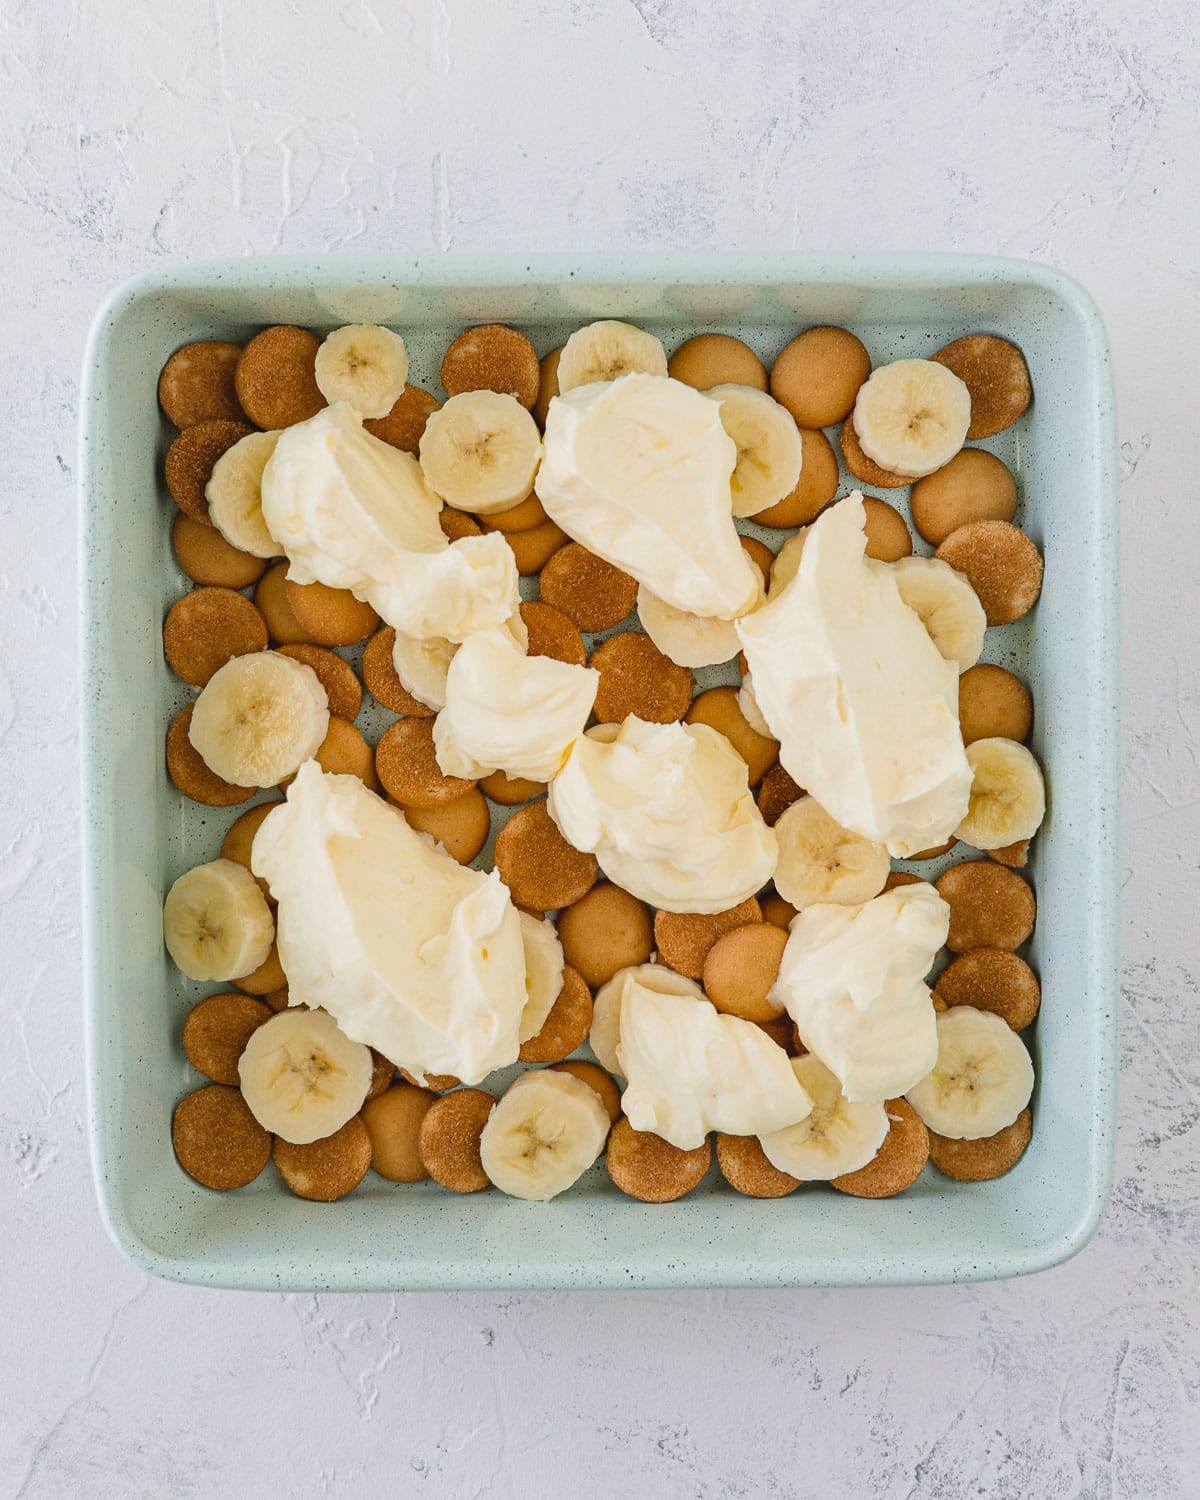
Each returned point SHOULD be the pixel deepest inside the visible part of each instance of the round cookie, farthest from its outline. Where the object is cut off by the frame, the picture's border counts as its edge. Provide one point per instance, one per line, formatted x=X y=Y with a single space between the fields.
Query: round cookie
x=551 y=633
x=974 y=486
x=217 y=1140
x=539 y=867
x=461 y=826
x=492 y=357
x=709 y=359
x=278 y=1000
x=745 y=1167
x=567 y=1025
x=216 y=1032
x=404 y=424
x=936 y=851
x=646 y=1167
x=272 y=601
x=740 y=969
x=238 y=842
x=865 y=469
x=267 y=978
x=534 y=548
x=588 y=590
x=334 y=673
x=187 y=769
x=1014 y=856
x=328 y=1169
x=547 y=385
x=276 y=377
x=781 y=1029
x=636 y=678
x=992 y=979
x=208 y=627
x=995 y=373
x=406 y=764
x=383 y=1071
x=901 y=877
x=206 y=557
x=990 y=907
x=683 y=939
x=718 y=708
x=379 y=674
x=816 y=488
x=596 y=1078
x=449 y=1139
x=818 y=374
x=456 y=524
x=197 y=384
x=344 y=752
x=888 y=538
x=778 y=911
x=776 y=793
x=393 y=1122
x=984 y=1159
x=1002 y=565
x=190 y=460
x=331 y=617
x=523 y=516
x=438 y=1083
x=993 y=703
x=759 y=554
x=510 y=791
x=606 y=930
x=898 y=1162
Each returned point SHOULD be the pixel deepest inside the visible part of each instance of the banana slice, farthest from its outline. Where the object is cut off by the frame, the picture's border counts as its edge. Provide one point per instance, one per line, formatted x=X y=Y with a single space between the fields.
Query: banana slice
x=543 y=973
x=769 y=449
x=422 y=666
x=982 y=1080
x=787 y=563
x=819 y=860
x=1008 y=795
x=751 y=712
x=690 y=640
x=481 y=451
x=946 y=605
x=259 y=718
x=912 y=416
x=365 y=365
x=302 y=1076
x=837 y=1137
x=606 y=351
x=543 y=1135
x=234 y=495
x=216 y=922
x=605 y=1035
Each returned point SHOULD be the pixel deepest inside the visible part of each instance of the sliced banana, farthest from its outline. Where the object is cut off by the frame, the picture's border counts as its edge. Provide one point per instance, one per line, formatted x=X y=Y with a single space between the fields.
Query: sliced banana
x=837 y=1137
x=982 y=1080
x=543 y=973
x=259 y=718
x=302 y=1076
x=606 y=351
x=422 y=666
x=605 y=1035
x=543 y=1135
x=234 y=495
x=787 y=563
x=216 y=922
x=912 y=416
x=819 y=860
x=1008 y=795
x=364 y=364
x=946 y=604
x=769 y=448
x=751 y=712
x=691 y=640
x=481 y=452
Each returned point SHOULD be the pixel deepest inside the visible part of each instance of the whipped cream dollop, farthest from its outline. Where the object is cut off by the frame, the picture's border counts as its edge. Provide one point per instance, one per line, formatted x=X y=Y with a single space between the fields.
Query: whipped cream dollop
x=638 y=470
x=506 y=711
x=852 y=979
x=862 y=702
x=355 y=513
x=423 y=665
x=409 y=951
x=691 y=1069
x=667 y=811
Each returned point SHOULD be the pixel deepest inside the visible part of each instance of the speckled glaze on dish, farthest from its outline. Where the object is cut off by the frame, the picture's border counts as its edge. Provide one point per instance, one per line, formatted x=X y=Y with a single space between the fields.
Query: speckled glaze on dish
x=139 y=834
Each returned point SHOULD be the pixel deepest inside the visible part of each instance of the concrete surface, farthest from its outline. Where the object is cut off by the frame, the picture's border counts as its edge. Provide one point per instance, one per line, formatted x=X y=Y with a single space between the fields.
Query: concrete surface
x=1062 y=131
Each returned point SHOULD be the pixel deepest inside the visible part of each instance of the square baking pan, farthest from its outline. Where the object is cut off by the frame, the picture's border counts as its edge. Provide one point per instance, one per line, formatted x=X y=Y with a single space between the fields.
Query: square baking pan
x=139 y=834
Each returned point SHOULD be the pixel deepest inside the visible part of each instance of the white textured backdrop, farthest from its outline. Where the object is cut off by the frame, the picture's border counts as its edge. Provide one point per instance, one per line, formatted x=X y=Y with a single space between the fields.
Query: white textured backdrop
x=1062 y=131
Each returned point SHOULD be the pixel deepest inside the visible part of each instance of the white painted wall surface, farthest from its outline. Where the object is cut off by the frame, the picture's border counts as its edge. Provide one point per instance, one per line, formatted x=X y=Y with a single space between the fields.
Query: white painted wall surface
x=1054 y=129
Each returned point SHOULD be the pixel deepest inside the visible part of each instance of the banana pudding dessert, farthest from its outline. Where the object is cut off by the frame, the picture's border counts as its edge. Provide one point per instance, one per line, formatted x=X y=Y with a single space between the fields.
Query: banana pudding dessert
x=586 y=714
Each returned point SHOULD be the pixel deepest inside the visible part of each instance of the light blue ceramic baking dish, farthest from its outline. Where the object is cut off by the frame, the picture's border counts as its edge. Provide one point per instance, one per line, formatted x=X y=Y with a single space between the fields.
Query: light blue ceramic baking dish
x=138 y=834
